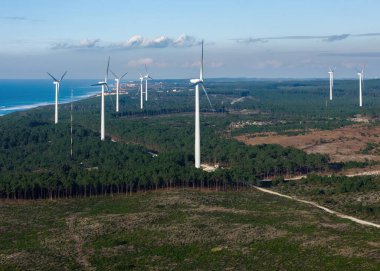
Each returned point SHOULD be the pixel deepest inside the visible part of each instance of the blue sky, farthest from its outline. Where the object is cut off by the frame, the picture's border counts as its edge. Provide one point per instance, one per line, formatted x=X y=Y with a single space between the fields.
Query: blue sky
x=271 y=38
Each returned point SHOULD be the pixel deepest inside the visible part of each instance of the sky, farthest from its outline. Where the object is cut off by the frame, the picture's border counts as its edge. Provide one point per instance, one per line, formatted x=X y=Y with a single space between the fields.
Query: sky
x=243 y=38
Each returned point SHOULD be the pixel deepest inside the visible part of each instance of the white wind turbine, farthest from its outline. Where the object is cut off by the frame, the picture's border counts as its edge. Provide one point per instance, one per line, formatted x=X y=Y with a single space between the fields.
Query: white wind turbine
x=331 y=73
x=117 y=79
x=361 y=79
x=146 y=77
x=104 y=85
x=141 y=92
x=56 y=83
x=197 y=83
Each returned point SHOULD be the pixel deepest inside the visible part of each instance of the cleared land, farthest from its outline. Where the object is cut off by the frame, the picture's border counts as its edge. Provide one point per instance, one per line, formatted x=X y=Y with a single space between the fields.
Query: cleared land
x=342 y=145
x=182 y=230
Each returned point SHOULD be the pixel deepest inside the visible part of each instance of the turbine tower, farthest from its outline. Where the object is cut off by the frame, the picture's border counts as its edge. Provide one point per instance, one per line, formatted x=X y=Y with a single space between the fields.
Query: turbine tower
x=146 y=77
x=197 y=83
x=141 y=92
x=361 y=78
x=331 y=74
x=117 y=79
x=56 y=83
x=104 y=85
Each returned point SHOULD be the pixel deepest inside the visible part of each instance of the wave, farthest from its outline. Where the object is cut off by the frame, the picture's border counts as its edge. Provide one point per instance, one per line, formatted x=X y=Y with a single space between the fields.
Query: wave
x=13 y=108
x=22 y=107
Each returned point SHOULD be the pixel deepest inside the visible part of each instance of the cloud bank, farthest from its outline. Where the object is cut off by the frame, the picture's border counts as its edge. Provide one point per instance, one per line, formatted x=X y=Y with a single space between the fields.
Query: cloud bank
x=134 y=42
x=83 y=44
x=328 y=38
x=18 y=18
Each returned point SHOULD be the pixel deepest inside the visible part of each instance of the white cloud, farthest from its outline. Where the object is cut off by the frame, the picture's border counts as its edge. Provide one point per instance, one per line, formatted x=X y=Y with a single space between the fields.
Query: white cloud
x=268 y=64
x=191 y=64
x=158 y=42
x=83 y=44
x=134 y=42
x=140 y=62
x=185 y=41
x=216 y=64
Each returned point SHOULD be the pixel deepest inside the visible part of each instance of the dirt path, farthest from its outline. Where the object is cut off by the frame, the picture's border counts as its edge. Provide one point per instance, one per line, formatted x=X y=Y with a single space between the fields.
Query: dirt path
x=80 y=256
x=354 y=219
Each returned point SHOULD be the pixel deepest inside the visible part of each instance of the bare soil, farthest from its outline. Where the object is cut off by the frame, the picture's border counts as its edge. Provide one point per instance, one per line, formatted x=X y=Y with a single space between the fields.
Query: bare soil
x=342 y=145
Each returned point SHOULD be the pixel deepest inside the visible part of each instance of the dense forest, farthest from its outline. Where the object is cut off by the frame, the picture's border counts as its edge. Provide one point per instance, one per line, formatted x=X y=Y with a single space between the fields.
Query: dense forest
x=153 y=148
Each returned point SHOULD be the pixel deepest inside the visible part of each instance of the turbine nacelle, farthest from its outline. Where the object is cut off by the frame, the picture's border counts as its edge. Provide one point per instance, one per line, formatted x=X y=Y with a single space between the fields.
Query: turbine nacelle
x=147 y=76
x=101 y=84
x=332 y=70
x=56 y=83
x=196 y=81
x=117 y=78
x=55 y=80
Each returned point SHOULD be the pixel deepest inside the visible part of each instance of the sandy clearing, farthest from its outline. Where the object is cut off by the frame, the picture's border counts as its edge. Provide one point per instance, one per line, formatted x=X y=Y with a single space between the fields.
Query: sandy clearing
x=356 y=174
x=343 y=144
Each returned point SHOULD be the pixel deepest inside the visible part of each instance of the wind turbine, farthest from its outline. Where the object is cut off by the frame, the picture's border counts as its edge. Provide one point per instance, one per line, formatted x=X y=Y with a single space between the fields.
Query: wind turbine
x=146 y=76
x=197 y=83
x=117 y=79
x=56 y=83
x=361 y=79
x=141 y=92
x=104 y=85
x=331 y=73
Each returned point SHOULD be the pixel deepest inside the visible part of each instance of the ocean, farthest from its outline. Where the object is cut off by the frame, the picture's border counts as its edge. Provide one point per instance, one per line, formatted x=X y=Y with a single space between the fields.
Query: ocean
x=17 y=95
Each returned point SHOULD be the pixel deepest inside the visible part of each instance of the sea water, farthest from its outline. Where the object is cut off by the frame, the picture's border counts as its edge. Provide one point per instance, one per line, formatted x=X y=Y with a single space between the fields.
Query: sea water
x=16 y=95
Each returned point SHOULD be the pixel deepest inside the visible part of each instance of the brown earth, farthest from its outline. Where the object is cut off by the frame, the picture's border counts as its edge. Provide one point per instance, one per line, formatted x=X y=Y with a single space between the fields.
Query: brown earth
x=342 y=145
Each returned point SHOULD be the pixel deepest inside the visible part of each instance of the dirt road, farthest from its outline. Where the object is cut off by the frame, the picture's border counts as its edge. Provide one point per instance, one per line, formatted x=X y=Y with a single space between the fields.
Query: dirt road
x=354 y=219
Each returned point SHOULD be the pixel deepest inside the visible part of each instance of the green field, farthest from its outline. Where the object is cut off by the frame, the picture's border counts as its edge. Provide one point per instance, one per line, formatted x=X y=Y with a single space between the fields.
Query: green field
x=181 y=230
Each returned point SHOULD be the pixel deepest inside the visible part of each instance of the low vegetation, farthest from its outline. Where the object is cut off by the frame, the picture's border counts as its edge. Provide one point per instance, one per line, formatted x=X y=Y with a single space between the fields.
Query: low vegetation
x=181 y=230
x=357 y=196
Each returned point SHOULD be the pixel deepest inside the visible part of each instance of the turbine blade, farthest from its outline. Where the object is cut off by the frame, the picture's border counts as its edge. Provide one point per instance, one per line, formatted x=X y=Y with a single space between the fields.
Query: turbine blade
x=123 y=75
x=94 y=85
x=201 y=72
x=114 y=74
x=108 y=67
x=212 y=108
x=150 y=77
x=52 y=77
x=146 y=70
x=63 y=76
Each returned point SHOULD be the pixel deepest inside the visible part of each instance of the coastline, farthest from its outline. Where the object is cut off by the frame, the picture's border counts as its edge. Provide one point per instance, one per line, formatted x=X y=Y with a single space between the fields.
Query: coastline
x=6 y=110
